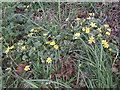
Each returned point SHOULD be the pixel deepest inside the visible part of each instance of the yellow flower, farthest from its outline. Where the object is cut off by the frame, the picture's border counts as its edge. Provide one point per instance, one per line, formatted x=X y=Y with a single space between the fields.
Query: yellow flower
x=93 y=24
x=48 y=60
x=45 y=34
x=47 y=42
x=30 y=34
x=91 y=14
x=56 y=47
x=19 y=43
x=91 y=40
x=11 y=47
x=99 y=35
x=105 y=44
x=35 y=31
x=80 y=65
x=7 y=50
x=28 y=6
x=52 y=43
x=110 y=49
x=106 y=25
x=83 y=29
x=32 y=30
x=87 y=30
x=109 y=29
x=108 y=33
x=71 y=30
x=99 y=29
x=23 y=48
x=27 y=68
x=77 y=19
x=104 y=41
x=77 y=35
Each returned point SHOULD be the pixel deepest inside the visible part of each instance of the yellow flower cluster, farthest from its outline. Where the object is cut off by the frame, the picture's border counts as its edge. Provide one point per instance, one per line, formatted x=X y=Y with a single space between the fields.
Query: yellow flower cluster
x=53 y=43
x=87 y=30
x=91 y=40
x=105 y=44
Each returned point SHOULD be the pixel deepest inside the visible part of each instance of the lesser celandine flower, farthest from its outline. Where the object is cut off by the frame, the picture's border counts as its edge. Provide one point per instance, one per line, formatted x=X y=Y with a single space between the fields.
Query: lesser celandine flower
x=107 y=33
x=45 y=34
x=7 y=50
x=109 y=29
x=91 y=14
x=91 y=40
x=11 y=47
x=35 y=31
x=93 y=24
x=77 y=35
x=87 y=30
x=48 y=60
x=99 y=29
x=30 y=34
x=32 y=30
x=56 y=47
x=23 y=48
x=77 y=19
x=105 y=44
x=48 y=42
x=19 y=43
x=27 y=68
x=99 y=35
x=83 y=29
x=106 y=25
x=52 y=43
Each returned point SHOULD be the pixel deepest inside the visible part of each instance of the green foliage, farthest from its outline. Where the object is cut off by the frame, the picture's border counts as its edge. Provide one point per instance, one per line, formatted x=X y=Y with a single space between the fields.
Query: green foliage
x=30 y=33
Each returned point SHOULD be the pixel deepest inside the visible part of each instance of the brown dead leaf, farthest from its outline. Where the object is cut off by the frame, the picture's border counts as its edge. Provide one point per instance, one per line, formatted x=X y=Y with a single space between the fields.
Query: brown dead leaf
x=20 y=69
